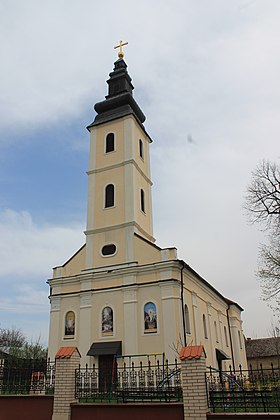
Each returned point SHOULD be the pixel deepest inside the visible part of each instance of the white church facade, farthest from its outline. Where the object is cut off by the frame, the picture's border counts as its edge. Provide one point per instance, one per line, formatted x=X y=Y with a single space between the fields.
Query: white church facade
x=121 y=294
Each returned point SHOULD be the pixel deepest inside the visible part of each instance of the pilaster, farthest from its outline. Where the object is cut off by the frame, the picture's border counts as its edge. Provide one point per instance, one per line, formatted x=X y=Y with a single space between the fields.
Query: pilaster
x=85 y=323
x=130 y=320
x=195 y=318
x=169 y=324
x=54 y=331
x=210 y=333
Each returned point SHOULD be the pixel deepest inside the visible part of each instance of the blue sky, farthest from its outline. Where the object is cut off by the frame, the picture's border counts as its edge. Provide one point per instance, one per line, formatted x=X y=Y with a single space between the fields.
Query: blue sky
x=51 y=162
x=206 y=75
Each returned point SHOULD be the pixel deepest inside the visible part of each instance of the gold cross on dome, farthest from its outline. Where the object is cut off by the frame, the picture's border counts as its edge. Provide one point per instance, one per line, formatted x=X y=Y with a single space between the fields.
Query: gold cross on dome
x=121 y=53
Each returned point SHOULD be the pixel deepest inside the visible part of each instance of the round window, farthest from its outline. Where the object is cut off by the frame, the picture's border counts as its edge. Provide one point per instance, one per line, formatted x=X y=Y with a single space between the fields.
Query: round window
x=109 y=249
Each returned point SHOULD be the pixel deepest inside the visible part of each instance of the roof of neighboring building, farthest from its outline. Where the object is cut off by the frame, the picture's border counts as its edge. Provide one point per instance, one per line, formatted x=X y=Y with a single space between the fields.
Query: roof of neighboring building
x=262 y=347
x=3 y=354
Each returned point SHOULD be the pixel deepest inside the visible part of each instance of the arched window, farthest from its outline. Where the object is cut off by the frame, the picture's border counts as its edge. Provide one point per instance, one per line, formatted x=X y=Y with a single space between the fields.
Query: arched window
x=107 y=321
x=226 y=337
x=108 y=250
x=187 y=319
x=204 y=326
x=142 y=200
x=110 y=195
x=141 y=153
x=110 y=142
x=69 y=328
x=216 y=331
x=150 y=317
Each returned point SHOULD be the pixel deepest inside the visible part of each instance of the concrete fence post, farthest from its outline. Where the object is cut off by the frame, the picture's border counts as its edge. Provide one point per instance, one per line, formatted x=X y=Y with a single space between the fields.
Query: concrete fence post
x=193 y=381
x=67 y=360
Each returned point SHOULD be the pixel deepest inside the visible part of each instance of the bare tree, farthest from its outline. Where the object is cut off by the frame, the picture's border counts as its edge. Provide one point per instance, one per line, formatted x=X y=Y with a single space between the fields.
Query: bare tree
x=269 y=272
x=14 y=343
x=11 y=339
x=262 y=203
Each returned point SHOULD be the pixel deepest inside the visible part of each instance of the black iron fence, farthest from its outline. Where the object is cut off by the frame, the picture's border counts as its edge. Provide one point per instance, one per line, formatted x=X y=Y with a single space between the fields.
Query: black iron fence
x=123 y=383
x=252 y=390
x=27 y=376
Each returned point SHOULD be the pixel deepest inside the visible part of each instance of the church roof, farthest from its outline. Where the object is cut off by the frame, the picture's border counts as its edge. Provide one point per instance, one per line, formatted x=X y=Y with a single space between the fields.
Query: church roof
x=228 y=301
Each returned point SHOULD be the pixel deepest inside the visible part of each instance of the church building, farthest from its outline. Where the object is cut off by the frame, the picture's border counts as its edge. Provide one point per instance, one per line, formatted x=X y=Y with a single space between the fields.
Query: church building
x=121 y=294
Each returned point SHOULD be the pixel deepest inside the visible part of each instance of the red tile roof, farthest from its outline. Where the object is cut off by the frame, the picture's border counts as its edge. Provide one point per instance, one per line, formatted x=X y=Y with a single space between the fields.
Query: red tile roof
x=191 y=352
x=65 y=352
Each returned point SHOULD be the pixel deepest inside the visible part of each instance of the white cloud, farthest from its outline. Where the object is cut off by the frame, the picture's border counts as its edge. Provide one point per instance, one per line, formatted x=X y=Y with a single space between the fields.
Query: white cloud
x=27 y=253
x=31 y=250
x=54 y=53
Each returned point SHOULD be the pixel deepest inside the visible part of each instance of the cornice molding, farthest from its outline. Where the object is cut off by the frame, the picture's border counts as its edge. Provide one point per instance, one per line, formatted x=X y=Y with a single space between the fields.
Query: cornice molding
x=120 y=226
x=119 y=165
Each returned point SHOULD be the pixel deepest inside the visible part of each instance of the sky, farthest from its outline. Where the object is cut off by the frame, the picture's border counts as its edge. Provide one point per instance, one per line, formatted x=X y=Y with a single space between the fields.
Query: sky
x=206 y=75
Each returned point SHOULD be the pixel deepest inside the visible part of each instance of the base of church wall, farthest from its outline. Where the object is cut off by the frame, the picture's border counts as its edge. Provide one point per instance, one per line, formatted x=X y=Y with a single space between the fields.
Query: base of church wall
x=127 y=411
x=26 y=407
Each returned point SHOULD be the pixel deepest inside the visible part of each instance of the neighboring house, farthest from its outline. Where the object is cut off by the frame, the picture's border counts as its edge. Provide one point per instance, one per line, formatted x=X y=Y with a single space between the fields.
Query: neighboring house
x=121 y=294
x=263 y=351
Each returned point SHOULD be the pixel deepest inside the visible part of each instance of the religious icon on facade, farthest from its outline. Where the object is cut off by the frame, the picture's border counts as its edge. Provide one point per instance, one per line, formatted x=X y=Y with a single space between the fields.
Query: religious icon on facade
x=107 y=321
x=150 y=317
x=70 y=323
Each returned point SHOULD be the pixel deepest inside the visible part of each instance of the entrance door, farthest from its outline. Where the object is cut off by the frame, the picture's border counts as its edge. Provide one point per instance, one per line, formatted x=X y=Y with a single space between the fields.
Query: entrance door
x=220 y=370
x=106 y=372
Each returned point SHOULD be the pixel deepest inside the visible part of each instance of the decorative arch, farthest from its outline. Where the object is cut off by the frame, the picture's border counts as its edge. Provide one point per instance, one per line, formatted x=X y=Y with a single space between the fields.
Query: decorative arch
x=150 y=317
x=69 y=324
x=107 y=321
x=109 y=195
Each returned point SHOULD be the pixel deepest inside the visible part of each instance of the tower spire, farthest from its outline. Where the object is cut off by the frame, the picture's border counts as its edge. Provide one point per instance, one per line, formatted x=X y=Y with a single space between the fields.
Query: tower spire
x=119 y=102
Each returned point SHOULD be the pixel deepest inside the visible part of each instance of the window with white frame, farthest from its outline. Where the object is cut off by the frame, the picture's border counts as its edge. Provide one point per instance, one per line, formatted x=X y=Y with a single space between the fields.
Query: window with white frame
x=110 y=143
x=109 y=195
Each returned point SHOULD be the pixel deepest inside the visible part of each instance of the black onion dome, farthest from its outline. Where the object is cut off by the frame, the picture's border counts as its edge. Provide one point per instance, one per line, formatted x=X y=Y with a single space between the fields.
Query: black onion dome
x=119 y=101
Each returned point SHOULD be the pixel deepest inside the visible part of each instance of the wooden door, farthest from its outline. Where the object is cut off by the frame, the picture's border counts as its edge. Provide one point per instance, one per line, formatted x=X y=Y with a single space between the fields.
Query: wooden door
x=106 y=371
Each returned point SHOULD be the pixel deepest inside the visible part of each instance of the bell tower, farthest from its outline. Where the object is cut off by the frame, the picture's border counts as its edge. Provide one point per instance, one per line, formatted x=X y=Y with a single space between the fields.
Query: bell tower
x=119 y=181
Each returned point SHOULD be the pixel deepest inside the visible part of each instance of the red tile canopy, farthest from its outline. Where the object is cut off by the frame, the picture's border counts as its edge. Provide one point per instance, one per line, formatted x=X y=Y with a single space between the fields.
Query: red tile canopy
x=65 y=352
x=191 y=352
